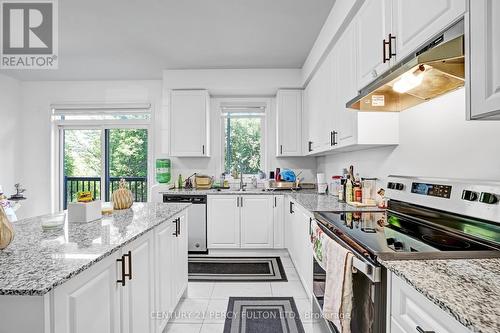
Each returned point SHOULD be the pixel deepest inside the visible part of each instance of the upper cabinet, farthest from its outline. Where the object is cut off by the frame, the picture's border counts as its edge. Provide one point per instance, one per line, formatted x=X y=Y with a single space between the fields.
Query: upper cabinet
x=373 y=23
x=289 y=122
x=333 y=127
x=189 y=123
x=414 y=22
x=484 y=42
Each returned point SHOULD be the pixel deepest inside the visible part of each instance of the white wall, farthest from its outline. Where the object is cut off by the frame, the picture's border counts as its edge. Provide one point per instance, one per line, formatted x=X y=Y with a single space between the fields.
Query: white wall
x=230 y=83
x=9 y=131
x=435 y=141
x=34 y=162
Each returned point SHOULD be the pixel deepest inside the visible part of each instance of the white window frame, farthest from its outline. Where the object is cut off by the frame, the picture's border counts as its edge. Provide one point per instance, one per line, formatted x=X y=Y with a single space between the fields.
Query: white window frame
x=57 y=142
x=243 y=102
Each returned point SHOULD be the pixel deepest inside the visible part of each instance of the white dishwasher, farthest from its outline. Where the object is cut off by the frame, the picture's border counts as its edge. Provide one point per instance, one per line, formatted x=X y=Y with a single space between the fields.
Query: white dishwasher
x=197 y=219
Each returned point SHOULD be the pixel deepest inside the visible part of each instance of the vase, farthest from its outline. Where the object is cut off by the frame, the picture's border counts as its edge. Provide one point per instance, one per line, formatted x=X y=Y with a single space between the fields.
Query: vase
x=6 y=230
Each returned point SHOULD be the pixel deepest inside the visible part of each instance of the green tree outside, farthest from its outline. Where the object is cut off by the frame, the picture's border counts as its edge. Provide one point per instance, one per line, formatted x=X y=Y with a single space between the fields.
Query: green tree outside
x=242 y=148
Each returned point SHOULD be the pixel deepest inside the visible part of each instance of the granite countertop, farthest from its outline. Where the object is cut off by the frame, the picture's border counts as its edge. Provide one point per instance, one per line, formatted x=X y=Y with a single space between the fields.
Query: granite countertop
x=37 y=261
x=467 y=289
x=309 y=199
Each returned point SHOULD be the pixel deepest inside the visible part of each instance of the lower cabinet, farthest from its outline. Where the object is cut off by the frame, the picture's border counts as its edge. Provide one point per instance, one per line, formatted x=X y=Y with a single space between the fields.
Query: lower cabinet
x=132 y=290
x=90 y=302
x=297 y=239
x=411 y=311
x=242 y=221
x=279 y=219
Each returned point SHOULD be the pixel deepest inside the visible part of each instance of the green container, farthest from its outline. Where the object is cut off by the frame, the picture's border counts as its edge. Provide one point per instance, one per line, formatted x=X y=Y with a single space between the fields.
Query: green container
x=163 y=174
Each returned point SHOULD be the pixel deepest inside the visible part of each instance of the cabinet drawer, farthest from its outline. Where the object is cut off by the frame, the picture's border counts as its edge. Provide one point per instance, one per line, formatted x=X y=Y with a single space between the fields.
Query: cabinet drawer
x=410 y=309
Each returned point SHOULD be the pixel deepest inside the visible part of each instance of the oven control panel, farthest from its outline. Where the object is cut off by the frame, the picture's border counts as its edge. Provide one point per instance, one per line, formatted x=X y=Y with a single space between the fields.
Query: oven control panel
x=434 y=190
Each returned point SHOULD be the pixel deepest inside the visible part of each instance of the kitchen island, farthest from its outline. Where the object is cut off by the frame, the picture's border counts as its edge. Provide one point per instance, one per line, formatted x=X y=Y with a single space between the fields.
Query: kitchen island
x=84 y=277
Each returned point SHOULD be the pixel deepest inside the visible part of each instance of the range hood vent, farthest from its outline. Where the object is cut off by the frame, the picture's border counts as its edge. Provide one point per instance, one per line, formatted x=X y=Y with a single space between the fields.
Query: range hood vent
x=434 y=70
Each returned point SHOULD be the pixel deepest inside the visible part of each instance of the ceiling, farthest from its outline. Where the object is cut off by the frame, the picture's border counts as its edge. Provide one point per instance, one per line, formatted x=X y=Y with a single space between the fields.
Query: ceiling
x=136 y=39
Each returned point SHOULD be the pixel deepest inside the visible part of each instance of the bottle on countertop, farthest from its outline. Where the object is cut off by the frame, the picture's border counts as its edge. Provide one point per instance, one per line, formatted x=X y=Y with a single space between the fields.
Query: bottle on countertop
x=179 y=182
x=348 y=190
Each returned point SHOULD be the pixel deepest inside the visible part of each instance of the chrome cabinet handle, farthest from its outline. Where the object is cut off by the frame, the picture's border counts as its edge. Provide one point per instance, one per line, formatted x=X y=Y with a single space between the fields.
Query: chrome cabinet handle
x=291 y=208
x=421 y=330
x=176 y=233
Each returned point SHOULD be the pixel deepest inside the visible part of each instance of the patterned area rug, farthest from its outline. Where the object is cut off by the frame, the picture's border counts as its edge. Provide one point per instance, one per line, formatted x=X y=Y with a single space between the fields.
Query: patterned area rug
x=262 y=315
x=236 y=269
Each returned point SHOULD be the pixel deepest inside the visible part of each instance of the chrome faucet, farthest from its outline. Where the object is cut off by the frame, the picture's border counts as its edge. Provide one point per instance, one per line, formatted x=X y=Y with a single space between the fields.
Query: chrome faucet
x=242 y=185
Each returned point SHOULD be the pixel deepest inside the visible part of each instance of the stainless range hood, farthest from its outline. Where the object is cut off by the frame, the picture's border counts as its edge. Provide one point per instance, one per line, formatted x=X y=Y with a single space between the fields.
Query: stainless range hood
x=433 y=70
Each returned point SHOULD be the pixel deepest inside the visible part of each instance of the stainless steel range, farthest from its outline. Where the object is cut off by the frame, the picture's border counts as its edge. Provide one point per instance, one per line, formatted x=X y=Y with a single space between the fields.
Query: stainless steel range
x=426 y=219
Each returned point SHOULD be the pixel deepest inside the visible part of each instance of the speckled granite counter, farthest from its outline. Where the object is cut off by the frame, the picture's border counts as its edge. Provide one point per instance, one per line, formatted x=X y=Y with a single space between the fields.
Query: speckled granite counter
x=37 y=261
x=309 y=199
x=468 y=289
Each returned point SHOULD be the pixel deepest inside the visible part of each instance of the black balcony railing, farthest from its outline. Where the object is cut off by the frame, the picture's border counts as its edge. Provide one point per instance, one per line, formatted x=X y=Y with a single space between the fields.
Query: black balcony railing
x=73 y=185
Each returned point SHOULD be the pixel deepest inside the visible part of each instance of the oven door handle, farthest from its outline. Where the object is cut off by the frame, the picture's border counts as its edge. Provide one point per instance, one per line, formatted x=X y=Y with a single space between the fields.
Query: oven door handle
x=374 y=273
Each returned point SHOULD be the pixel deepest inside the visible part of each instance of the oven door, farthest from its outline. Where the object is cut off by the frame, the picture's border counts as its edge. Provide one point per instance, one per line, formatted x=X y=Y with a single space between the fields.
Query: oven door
x=369 y=294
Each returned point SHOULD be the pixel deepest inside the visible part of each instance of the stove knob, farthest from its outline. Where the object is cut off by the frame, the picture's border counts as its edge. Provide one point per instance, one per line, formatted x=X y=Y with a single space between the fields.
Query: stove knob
x=390 y=241
x=398 y=246
x=400 y=186
x=391 y=185
x=488 y=198
x=469 y=195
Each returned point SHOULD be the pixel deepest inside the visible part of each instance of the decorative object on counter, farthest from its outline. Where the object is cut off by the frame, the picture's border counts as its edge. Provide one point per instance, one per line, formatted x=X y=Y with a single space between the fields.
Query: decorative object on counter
x=84 y=196
x=288 y=175
x=122 y=198
x=83 y=212
x=53 y=222
x=321 y=181
x=163 y=168
x=277 y=176
x=203 y=182
x=335 y=185
x=188 y=183
x=6 y=230
x=19 y=193
x=8 y=206
x=368 y=188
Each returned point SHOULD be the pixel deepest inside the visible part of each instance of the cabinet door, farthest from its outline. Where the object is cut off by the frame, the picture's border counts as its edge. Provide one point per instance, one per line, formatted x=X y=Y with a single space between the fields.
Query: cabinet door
x=484 y=99
x=257 y=221
x=289 y=122
x=164 y=261
x=345 y=87
x=223 y=221
x=374 y=25
x=138 y=292
x=289 y=229
x=415 y=22
x=279 y=227
x=410 y=309
x=89 y=302
x=181 y=260
x=189 y=121
x=319 y=107
x=304 y=262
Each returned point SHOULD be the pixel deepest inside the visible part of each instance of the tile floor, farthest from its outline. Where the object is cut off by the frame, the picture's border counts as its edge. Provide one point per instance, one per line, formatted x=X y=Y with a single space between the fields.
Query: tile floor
x=203 y=308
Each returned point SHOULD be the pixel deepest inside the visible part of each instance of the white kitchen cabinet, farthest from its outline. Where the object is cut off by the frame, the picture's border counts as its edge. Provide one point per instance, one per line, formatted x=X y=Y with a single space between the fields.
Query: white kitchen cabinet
x=415 y=22
x=223 y=221
x=165 y=250
x=279 y=221
x=189 y=123
x=138 y=292
x=318 y=107
x=89 y=302
x=297 y=237
x=289 y=122
x=240 y=221
x=374 y=24
x=180 y=262
x=257 y=221
x=484 y=50
x=409 y=310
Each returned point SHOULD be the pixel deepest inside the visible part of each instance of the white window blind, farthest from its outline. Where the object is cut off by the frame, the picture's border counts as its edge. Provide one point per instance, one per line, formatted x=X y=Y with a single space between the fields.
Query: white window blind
x=113 y=113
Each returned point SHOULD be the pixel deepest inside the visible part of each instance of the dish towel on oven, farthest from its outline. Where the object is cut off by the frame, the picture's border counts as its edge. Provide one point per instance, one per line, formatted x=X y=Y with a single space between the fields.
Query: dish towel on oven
x=337 y=262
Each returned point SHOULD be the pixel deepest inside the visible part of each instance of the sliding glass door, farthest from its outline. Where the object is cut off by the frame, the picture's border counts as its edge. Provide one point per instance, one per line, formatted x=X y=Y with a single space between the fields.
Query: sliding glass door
x=95 y=159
